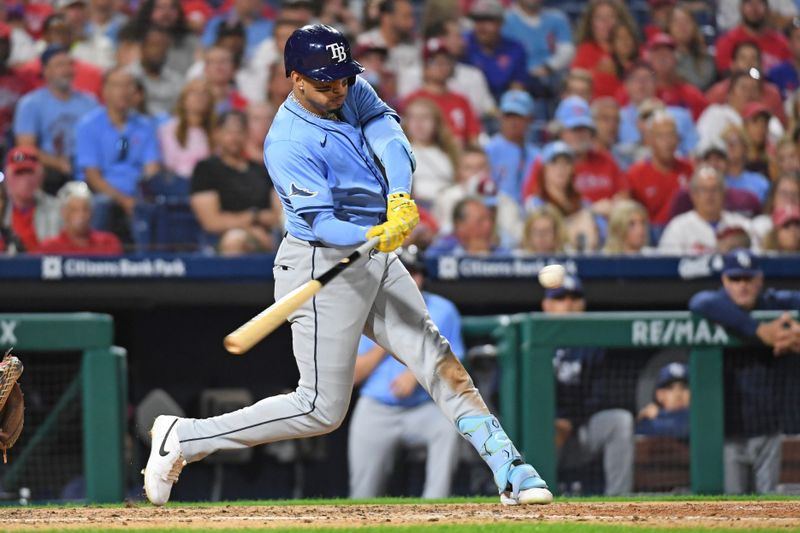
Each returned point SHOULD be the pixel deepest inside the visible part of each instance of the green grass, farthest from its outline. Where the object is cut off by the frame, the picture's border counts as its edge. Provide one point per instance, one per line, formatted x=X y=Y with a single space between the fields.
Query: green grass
x=450 y=528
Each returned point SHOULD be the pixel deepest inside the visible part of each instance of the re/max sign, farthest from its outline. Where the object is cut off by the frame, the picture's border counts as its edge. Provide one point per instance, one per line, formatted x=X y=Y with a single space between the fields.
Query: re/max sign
x=681 y=332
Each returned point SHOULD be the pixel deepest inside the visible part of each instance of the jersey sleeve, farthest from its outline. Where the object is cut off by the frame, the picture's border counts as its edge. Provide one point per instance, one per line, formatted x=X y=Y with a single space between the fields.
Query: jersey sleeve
x=25 y=117
x=368 y=104
x=386 y=138
x=717 y=307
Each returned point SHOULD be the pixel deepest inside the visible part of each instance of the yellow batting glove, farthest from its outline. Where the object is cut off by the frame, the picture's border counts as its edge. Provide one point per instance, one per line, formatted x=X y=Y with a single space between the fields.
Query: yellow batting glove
x=391 y=233
x=400 y=207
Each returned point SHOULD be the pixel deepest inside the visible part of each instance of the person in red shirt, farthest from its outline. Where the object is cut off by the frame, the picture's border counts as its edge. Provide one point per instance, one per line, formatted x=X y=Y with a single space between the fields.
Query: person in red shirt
x=31 y=215
x=654 y=181
x=754 y=27
x=593 y=36
x=77 y=236
x=458 y=112
x=13 y=85
x=747 y=56
x=597 y=177
x=670 y=87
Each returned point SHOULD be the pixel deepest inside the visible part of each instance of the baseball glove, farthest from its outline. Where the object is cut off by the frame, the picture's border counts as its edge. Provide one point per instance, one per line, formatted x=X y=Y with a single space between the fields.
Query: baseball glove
x=12 y=405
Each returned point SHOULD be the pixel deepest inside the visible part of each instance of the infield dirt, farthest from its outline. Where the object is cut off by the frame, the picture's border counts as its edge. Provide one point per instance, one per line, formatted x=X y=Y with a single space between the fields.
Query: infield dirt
x=727 y=514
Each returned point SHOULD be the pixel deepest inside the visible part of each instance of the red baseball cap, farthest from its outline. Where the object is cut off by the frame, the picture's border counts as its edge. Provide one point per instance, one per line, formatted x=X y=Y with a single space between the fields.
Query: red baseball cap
x=434 y=46
x=784 y=215
x=5 y=31
x=660 y=39
x=755 y=108
x=22 y=158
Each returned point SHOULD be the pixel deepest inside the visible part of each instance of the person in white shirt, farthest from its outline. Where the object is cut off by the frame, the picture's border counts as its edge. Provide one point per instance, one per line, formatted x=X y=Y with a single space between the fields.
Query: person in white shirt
x=695 y=232
x=97 y=49
x=395 y=32
x=435 y=150
x=744 y=88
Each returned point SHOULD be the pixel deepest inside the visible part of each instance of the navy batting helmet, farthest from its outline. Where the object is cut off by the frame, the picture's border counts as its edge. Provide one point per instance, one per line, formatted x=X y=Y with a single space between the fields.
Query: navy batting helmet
x=320 y=52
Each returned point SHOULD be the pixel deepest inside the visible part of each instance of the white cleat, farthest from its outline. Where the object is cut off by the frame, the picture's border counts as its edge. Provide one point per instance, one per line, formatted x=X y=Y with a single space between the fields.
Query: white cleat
x=527 y=496
x=165 y=462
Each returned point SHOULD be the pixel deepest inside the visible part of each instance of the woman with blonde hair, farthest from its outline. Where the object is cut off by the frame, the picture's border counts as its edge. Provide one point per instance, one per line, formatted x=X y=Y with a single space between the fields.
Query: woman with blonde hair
x=737 y=176
x=185 y=139
x=434 y=147
x=544 y=231
x=594 y=34
x=628 y=229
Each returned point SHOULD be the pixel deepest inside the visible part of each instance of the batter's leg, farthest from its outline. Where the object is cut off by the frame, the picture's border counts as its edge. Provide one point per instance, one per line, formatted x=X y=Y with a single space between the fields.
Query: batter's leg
x=325 y=335
x=373 y=441
x=400 y=323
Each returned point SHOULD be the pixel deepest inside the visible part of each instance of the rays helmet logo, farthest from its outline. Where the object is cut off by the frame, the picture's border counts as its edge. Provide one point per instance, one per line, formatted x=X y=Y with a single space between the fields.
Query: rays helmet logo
x=338 y=52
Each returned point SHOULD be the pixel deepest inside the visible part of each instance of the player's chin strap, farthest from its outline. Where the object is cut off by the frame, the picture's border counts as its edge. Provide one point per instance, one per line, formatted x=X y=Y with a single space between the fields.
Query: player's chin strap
x=511 y=473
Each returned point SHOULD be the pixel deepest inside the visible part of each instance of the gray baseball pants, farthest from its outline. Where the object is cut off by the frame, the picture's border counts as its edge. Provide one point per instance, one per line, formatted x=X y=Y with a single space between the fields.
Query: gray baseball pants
x=611 y=432
x=376 y=296
x=753 y=464
x=378 y=431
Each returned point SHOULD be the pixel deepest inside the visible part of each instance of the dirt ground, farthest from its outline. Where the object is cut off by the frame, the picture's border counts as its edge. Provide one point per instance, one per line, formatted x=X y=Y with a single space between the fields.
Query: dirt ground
x=730 y=514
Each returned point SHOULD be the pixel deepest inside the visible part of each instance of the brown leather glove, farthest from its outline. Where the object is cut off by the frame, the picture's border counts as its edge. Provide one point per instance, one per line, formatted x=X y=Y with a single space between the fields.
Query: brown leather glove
x=12 y=404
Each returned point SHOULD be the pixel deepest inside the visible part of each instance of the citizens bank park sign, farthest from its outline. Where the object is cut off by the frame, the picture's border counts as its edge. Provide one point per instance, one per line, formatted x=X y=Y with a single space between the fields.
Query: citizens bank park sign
x=56 y=268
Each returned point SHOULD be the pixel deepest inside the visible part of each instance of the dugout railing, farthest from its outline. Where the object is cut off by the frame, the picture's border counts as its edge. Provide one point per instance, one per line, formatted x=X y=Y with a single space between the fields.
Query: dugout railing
x=101 y=384
x=525 y=346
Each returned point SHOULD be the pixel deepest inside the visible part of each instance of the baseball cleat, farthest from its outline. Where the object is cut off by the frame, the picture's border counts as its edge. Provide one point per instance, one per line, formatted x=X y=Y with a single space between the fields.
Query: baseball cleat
x=517 y=481
x=165 y=462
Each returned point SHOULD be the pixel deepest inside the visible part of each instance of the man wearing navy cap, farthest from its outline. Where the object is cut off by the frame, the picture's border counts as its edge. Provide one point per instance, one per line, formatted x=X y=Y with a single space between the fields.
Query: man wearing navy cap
x=585 y=427
x=759 y=397
x=668 y=414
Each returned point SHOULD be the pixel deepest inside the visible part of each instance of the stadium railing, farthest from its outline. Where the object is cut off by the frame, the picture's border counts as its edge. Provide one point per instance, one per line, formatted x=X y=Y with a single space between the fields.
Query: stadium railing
x=45 y=451
x=525 y=347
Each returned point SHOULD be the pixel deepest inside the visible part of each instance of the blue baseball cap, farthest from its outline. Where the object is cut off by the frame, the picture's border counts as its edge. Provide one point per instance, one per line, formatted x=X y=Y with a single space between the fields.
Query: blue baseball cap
x=671 y=373
x=574 y=112
x=52 y=50
x=571 y=285
x=516 y=102
x=741 y=263
x=555 y=149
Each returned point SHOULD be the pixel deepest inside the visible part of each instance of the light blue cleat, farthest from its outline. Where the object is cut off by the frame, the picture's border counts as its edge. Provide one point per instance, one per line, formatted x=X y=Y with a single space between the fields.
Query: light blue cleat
x=517 y=481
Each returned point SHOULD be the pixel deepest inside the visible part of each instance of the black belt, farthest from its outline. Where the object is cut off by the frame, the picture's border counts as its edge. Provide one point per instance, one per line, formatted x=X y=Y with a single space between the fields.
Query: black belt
x=316 y=244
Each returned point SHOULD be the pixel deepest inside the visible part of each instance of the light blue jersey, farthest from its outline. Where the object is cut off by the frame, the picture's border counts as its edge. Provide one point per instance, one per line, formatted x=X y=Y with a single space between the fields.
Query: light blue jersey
x=327 y=167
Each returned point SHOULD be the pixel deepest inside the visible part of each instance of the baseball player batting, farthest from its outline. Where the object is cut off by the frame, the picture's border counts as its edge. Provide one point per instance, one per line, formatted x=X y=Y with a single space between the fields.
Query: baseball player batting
x=320 y=155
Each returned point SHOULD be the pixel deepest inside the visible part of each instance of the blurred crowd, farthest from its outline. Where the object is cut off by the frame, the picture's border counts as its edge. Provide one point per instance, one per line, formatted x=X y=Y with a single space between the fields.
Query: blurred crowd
x=539 y=127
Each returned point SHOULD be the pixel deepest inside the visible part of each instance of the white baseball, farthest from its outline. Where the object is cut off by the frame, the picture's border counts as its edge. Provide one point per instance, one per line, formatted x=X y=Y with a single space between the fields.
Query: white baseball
x=552 y=276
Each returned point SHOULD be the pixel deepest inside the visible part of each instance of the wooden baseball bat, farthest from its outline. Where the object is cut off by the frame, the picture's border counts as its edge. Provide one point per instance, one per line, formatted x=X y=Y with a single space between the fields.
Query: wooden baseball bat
x=268 y=320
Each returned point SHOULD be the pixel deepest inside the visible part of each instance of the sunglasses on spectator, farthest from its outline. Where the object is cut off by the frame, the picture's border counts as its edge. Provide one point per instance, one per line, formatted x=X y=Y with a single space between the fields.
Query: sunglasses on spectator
x=122 y=149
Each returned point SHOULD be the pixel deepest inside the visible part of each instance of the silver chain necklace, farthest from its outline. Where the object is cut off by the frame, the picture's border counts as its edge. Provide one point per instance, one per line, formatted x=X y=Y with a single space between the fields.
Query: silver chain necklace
x=329 y=116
